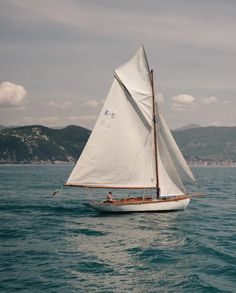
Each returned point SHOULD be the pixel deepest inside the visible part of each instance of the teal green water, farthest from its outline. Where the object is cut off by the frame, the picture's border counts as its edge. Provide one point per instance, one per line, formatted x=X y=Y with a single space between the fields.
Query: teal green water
x=58 y=245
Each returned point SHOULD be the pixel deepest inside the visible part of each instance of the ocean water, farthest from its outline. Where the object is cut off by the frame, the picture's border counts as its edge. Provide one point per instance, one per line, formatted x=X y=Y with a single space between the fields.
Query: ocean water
x=58 y=245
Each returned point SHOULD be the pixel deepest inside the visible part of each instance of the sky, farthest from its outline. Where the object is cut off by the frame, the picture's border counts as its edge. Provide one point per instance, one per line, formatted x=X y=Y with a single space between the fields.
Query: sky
x=57 y=58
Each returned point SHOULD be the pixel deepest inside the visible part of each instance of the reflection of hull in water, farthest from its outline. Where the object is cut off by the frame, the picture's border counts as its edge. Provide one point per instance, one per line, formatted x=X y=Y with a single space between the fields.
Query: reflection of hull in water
x=142 y=205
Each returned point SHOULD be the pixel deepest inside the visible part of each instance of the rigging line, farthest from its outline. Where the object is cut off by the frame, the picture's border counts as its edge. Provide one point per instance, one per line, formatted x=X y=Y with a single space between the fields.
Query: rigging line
x=145 y=56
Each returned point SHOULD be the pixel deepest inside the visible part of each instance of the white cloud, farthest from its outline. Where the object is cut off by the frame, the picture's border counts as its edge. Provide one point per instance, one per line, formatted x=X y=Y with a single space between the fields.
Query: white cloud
x=184 y=102
x=11 y=95
x=210 y=100
x=183 y=99
x=63 y=34
x=94 y=103
x=188 y=102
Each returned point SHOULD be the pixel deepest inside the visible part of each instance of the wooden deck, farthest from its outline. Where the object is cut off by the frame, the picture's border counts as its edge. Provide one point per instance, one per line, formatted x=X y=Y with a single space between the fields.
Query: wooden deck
x=141 y=200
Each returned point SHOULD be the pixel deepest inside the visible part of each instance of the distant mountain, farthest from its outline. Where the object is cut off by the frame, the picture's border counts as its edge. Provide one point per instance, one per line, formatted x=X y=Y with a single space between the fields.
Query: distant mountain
x=216 y=144
x=40 y=144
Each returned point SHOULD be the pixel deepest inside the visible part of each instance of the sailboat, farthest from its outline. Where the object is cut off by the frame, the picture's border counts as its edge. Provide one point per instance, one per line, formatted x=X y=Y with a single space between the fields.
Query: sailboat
x=132 y=148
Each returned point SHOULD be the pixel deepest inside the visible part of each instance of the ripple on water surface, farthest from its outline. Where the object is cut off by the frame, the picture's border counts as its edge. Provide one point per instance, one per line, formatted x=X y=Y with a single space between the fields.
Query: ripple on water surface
x=58 y=245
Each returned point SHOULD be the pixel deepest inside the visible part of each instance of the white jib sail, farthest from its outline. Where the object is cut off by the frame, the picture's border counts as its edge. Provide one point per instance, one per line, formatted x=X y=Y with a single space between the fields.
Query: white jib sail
x=119 y=152
x=176 y=156
x=170 y=182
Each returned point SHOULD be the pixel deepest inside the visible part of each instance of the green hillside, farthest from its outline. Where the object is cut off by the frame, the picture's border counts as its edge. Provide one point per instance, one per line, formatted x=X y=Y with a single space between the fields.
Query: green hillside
x=40 y=144
x=215 y=144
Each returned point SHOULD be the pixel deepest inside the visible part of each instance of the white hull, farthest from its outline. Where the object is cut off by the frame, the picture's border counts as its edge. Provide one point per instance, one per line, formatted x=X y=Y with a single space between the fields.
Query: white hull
x=173 y=204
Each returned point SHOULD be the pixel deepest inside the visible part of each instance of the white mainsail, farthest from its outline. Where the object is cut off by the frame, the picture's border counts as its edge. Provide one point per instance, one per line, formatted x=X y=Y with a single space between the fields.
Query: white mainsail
x=120 y=150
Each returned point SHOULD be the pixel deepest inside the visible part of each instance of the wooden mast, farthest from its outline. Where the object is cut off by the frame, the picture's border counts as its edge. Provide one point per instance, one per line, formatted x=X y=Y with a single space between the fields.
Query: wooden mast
x=155 y=136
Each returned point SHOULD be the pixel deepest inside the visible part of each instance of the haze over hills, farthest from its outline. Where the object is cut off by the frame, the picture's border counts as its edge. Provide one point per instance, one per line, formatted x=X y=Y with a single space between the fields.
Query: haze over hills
x=189 y=126
x=209 y=144
x=40 y=144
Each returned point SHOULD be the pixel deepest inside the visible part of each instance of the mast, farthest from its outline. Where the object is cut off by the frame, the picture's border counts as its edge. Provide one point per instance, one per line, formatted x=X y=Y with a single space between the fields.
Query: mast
x=155 y=136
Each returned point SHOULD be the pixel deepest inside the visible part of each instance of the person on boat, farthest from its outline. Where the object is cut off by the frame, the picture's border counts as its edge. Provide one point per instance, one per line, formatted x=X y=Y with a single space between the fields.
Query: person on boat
x=109 y=196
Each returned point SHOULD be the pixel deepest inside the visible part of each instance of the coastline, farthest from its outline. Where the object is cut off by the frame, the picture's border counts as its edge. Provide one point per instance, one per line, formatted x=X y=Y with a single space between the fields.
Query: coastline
x=204 y=164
